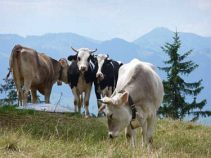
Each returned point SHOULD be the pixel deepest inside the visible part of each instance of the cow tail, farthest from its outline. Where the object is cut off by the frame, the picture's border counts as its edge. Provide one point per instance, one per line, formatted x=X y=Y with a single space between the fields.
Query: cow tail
x=15 y=67
x=8 y=75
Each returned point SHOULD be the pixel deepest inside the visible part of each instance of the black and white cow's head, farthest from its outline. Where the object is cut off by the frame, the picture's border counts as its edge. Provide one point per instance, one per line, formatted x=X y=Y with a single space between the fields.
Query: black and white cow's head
x=101 y=60
x=83 y=57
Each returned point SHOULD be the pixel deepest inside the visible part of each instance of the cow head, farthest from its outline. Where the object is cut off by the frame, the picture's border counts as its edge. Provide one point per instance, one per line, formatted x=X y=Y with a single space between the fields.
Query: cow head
x=63 y=71
x=101 y=60
x=117 y=112
x=83 y=57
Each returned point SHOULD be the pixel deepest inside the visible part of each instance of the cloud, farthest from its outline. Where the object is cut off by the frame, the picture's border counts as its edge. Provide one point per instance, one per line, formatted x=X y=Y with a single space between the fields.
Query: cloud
x=201 y=4
x=103 y=19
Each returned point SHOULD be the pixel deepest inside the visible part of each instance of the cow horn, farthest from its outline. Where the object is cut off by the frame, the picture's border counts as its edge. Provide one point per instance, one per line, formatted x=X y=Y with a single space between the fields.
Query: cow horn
x=74 y=50
x=105 y=100
x=92 y=51
x=107 y=55
x=100 y=100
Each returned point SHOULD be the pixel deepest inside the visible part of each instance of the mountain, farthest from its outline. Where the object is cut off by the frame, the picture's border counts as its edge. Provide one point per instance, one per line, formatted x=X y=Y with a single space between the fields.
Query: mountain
x=156 y=38
x=119 y=49
x=147 y=48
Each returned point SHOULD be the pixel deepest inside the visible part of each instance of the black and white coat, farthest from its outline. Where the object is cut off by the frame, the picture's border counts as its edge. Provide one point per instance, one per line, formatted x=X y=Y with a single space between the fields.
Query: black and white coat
x=81 y=75
x=106 y=76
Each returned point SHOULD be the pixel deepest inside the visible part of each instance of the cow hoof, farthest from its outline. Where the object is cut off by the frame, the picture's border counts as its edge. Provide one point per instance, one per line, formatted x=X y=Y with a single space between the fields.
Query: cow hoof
x=101 y=114
x=87 y=116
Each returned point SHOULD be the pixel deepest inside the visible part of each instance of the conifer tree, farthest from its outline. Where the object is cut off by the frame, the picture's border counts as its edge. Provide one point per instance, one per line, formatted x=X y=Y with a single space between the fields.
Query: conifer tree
x=177 y=90
x=9 y=90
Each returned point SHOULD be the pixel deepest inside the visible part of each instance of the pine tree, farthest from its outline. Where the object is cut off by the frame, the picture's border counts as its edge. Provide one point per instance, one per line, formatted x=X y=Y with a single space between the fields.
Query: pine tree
x=175 y=104
x=9 y=89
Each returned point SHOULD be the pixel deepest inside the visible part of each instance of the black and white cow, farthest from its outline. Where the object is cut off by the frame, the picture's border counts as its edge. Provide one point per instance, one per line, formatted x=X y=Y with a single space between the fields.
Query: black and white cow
x=81 y=75
x=106 y=76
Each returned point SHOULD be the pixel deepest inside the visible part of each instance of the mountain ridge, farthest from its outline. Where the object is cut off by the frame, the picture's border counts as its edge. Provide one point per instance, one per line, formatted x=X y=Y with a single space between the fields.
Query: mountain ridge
x=146 y=47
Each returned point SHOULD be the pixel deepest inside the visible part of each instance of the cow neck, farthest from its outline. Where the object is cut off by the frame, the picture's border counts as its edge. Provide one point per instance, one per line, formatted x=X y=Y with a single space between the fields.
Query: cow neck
x=132 y=106
x=134 y=123
x=60 y=73
x=114 y=77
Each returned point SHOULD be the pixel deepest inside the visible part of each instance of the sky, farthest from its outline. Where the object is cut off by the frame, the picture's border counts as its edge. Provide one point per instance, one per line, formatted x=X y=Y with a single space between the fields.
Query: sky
x=104 y=19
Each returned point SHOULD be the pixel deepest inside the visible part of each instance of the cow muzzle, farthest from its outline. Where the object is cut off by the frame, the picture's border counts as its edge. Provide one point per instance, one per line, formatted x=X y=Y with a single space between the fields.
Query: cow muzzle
x=100 y=76
x=83 y=68
x=111 y=135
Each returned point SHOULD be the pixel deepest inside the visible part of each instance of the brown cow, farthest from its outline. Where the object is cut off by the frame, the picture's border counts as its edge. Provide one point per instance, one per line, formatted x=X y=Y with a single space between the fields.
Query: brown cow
x=34 y=71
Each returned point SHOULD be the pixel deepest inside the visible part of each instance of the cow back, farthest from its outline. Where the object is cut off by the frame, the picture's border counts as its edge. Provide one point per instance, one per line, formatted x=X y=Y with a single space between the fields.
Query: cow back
x=141 y=81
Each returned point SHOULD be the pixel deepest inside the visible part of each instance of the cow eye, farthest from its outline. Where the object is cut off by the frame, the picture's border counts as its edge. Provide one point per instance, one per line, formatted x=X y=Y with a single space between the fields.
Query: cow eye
x=79 y=58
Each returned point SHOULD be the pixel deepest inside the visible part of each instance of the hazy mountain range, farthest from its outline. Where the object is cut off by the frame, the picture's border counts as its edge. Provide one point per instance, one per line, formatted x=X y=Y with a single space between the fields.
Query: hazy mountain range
x=147 y=48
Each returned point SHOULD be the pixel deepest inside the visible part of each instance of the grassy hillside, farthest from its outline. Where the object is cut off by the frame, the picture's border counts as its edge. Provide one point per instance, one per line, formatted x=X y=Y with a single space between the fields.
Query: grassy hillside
x=26 y=133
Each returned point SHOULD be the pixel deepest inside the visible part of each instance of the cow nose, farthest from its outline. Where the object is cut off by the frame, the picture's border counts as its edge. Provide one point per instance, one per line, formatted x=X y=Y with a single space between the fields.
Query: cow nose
x=83 y=68
x=99 y=75
x=110 y=136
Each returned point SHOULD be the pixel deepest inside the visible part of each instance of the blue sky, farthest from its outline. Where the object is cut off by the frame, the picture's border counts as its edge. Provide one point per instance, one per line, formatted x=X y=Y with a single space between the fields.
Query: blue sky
x=104 y=19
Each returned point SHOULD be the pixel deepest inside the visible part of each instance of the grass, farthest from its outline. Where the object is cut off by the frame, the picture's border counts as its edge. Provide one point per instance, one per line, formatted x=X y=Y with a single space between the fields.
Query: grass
x=28 y=133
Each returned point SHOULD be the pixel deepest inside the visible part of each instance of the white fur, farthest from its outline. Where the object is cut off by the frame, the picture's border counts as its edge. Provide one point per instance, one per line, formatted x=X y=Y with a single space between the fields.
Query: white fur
x=140 y=81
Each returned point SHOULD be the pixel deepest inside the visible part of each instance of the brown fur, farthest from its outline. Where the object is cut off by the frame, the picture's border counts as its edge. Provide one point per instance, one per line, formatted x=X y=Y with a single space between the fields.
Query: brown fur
x=33 y=71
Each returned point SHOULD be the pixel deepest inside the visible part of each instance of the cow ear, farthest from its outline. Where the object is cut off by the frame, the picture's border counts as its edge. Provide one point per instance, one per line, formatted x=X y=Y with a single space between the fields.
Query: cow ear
x=108 y=59
x=72 y=57
x=124 y=97
x=93 y=58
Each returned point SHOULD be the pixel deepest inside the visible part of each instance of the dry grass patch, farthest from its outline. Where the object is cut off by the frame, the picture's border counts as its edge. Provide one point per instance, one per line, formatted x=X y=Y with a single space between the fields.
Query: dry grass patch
x=26 y=133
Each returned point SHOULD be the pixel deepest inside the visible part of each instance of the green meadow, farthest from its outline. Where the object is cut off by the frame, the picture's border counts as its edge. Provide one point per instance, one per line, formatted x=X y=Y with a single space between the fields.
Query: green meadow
x=28 y=133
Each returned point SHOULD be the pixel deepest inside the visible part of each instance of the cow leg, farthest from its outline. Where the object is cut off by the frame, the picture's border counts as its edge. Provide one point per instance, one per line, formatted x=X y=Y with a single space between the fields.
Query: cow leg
x=26 y=90
x=19 y=91
x=109 y=91
x=144 y=133
x=47 y=94
x=105 y=92
x=86 y=99
x=130 y=135
x=99 y=105
x=34 y=95
x=97 y=93
x=20 y=97
x=150 y=126
x=76 y=98
x=80 y=102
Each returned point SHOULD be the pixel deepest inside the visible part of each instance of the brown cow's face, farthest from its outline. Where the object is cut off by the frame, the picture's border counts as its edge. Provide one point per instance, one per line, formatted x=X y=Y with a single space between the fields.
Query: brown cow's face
x=118 y=114
x=63 y=62
x=65 y=66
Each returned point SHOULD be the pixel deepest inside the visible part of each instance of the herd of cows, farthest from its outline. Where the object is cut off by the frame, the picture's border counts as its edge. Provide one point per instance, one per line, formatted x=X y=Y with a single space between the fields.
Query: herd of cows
x=131 y=92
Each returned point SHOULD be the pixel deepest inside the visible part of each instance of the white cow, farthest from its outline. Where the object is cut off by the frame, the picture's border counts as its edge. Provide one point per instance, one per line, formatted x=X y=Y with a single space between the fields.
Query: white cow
x=136 y=99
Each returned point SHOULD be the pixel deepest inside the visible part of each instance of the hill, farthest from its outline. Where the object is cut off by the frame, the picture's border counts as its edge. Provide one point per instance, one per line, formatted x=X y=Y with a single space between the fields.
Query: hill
x=27 y=133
